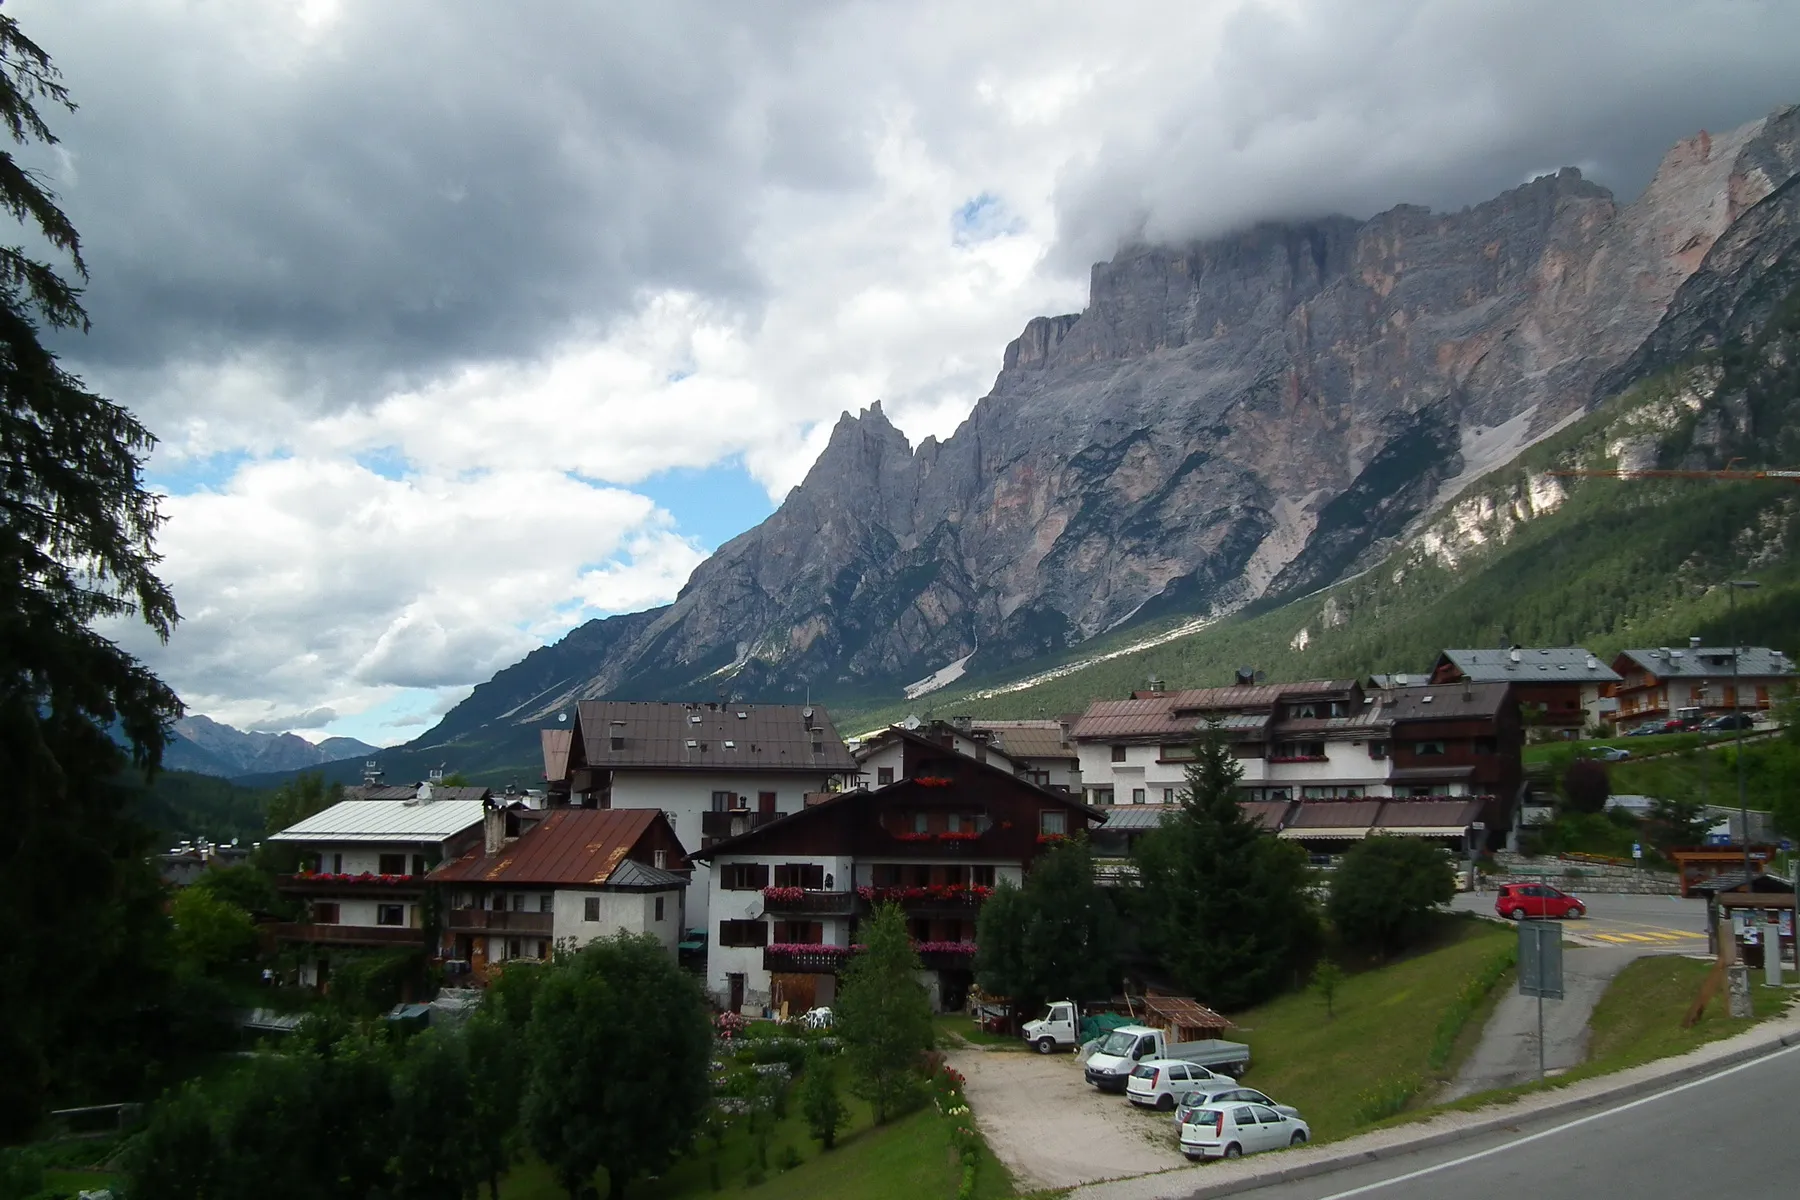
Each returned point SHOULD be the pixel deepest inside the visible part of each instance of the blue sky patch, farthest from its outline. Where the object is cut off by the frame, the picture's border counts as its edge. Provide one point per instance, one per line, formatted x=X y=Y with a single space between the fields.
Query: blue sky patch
x=185 y=476
x=712 y=505
x=982 y=219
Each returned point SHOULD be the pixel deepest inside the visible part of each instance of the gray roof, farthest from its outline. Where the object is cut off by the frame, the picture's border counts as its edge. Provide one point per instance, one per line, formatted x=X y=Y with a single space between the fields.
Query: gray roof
x=1553 y=663
x=661 y=735
x=1444 y=701
x=635 y=875
x=385 y=821
x=407 y=791
x=1710 y=662
x=1131 y=818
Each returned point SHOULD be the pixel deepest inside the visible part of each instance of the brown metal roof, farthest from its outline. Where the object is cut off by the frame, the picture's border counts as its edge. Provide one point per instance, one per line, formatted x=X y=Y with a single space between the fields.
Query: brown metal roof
x=556 y=752
x=570 y=847
x=1335 y=814
x=1445 y=701
x=1450 y=815
x=1030 y=739
x=1270 y=814
x=1184 y=1013
x=731 y=737
x=1166 y=714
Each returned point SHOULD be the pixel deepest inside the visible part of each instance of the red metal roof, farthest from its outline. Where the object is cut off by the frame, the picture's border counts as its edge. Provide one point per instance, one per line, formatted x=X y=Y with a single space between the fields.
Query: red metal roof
x=1267 y=813
x=1335 y=814
x=1450 y=815
x=1155 y=714
x=570 y=846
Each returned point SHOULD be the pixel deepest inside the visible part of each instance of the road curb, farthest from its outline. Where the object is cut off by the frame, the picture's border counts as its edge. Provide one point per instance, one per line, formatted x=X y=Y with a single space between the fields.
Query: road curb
x=1324 y=1165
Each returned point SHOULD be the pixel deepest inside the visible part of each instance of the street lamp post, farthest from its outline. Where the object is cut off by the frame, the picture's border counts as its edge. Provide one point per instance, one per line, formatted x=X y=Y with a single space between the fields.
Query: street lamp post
x=1737 y=721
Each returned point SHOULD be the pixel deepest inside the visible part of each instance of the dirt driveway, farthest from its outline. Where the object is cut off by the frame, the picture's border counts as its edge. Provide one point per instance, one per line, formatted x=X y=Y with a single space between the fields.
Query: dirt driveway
x=1054 y=1131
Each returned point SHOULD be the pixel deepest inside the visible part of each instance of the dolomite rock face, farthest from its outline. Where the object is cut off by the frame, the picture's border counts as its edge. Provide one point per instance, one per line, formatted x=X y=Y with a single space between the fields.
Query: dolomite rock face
x=1249 y=415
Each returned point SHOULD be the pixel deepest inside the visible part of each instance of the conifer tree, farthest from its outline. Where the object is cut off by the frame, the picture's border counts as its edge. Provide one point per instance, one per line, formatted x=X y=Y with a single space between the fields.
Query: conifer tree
x=884 y=1015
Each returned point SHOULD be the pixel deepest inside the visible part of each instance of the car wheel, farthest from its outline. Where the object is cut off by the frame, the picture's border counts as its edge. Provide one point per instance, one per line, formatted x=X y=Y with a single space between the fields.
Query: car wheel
x=1234 y=1151
x=1518 y=914
x=1576 y=912
x=1046 y=1045
x=1299 y=1139
x=1165 y=1103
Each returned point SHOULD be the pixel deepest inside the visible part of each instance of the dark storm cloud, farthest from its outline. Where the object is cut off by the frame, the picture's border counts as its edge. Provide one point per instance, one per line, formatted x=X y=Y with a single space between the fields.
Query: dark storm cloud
x=1332 y=107
x=413 y=183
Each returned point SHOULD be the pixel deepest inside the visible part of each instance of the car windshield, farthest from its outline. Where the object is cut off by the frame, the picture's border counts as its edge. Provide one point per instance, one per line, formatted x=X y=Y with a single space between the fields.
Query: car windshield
x=1145 y=1072
x=1118 y=1043
x=1205 y=1116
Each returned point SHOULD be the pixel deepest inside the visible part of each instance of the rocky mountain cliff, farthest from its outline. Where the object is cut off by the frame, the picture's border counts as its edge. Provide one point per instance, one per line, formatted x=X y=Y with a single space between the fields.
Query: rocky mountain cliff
x=1249 y=416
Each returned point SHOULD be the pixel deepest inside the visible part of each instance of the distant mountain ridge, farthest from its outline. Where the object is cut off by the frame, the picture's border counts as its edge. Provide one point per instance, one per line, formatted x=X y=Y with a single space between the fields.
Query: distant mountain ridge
x=205 y=746
x=1238 y=420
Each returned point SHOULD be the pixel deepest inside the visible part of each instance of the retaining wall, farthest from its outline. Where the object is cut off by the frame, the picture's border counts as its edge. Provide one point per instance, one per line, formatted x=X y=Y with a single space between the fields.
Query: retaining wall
x=1576 y=876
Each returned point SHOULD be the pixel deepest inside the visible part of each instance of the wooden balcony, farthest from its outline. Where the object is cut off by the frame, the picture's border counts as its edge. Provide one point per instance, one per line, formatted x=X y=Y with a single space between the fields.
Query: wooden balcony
x=821 y=960
x=947 y=960
x=485 y=920
x=958 y=900
x=350 y=935
x=734 y=822
x=809 y=902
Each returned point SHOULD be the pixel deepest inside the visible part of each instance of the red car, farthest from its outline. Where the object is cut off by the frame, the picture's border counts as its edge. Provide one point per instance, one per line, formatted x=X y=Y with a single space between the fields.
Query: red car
x=1522 y=900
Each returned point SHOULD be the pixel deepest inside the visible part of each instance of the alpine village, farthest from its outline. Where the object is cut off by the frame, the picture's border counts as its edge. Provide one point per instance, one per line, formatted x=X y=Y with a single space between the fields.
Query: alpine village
x=1329 y=704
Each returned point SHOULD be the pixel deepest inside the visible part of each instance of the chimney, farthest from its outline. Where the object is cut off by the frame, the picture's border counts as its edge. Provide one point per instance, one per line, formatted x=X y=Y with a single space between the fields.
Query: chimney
x=1694 y=642
x=963 y=723
x=1157 y=686
x=493 y=829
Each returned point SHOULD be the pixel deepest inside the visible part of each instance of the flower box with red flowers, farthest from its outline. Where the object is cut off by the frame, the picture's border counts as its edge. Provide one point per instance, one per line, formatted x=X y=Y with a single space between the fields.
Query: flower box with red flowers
x=967 y=948
x=1051 y=839
x=957 y=835
x=932 y=781
x=907 y=835
x=783 y=895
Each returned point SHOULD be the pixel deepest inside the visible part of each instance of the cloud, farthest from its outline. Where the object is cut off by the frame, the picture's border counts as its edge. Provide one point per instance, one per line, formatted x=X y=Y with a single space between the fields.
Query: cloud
x=282 y=722
x=417 y=293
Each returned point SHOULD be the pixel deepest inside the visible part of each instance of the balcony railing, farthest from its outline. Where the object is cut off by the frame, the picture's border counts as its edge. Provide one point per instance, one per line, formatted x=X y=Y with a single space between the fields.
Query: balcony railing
x=485 y=920
x=314 y=884
x=938 y=896
x=350 y=935
x=806 y=960
x=734 y=822
x=947 y=956
x=808 y=901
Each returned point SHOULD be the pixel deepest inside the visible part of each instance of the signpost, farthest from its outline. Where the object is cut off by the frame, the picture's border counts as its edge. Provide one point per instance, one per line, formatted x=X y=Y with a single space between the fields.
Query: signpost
x=1541 y=970
x=1637 y=850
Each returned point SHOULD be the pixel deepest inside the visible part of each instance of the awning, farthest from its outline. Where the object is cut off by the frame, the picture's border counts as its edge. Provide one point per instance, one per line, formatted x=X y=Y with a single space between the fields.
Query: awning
x=1446 y=831
x=1429 y=774
x=1339 y=833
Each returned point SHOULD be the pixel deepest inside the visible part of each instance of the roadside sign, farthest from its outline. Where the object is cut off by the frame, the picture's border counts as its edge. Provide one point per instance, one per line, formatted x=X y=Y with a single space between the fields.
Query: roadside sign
x=1637 y=850
x=1787 y=846
x=1541 y=959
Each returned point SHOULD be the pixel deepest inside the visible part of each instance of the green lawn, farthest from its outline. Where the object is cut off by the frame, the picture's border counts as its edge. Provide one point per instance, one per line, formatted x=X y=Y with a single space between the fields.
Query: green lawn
x=1560 y=753
x=952 y=1027
x=1386 y=1025
x=907 y=1158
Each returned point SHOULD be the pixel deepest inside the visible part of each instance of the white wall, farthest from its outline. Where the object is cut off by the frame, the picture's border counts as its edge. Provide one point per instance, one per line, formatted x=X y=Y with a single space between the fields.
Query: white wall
x=1346 y=762
x=360 y=910
x=734 y=905
x=630 y=912
x=358 y=859
x=891 y=756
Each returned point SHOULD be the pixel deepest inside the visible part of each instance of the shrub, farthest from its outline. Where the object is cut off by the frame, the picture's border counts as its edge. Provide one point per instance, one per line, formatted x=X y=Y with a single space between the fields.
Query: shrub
x=1586 y=785
x=1383 y=894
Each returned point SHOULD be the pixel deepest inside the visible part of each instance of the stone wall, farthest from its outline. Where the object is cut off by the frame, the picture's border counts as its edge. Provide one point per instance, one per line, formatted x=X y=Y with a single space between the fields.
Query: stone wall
x=1578 y=876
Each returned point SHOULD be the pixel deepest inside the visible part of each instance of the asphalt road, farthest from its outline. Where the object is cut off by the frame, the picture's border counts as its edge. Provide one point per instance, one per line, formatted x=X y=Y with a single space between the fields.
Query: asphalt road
x=1649 y=923
x=1730 y=1133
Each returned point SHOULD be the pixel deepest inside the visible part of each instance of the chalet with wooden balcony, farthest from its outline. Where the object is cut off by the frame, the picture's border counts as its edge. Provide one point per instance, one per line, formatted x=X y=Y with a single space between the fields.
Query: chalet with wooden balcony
x=566 y=876
x=1658 y=683
x=1457 y=742
x=786 y=897
x=1562 y=688
x=1040 y=751
x=363 y=870
x=715 y=770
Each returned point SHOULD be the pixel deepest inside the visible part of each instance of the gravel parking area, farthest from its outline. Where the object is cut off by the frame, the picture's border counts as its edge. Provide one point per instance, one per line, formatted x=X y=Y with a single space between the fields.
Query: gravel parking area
x=1054 y=1131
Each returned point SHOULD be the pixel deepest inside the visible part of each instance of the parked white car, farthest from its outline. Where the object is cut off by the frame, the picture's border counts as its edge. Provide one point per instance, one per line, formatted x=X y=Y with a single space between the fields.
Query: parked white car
x=1160 y=1082
x=1230 y=1130
x=1212 y=1097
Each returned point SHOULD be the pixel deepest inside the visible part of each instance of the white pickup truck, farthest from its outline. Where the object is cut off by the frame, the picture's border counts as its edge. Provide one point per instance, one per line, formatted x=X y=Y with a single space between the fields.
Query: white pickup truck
x=1110 y=1065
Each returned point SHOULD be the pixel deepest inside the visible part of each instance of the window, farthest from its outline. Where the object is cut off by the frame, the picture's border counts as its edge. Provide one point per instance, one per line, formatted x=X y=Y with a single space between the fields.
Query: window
x=800 y=933
x=1177 y=753
x=660 y=859
x=419 y=867
x=884 y=776
x=818 y=747
x=1103 y=795
x=743 y=933
x=390 y=914
x=590 y=908
x=800 y=875
x=618 y=743
x=545 y=903
x=543 y=948
x=325 y=913
x=1428 y=749
x=1118 y=754
x=721 y=802
x=518 y=902
x=337 y=864
x=921 y=823
x=1332 y=792
x=1053 y=822
x=744 y=877
x=659 y=910
x=1378 y=749
x=982 y=876
x=1486 y=746
x=1137 y=795
x=1168 y=795
x=512 y=948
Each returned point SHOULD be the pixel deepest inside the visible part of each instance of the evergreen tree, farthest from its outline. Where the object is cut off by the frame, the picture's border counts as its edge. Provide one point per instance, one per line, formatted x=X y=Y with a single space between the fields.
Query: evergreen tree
x=1057 y=937
x=884 y=1016
x=79 y=977
x=819 y=1100
x=496 y=1054
x=436 y=1125
x=1227 y=908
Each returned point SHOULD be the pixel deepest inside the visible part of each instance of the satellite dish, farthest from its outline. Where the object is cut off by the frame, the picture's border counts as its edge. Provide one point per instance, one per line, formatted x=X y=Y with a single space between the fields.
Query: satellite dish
x=562 y=717
x=1248 y=675
x=807 y=713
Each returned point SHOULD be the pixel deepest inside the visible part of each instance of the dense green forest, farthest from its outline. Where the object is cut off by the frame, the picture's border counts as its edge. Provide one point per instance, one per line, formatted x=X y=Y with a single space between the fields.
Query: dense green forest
x=186 y=804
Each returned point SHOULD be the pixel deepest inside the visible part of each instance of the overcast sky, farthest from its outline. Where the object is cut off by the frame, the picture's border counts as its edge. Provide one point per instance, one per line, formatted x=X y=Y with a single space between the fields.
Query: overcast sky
x=463 y=323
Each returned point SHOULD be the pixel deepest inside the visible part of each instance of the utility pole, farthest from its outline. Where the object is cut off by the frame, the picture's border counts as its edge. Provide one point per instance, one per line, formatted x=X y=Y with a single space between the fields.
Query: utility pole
x=1732 y=587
